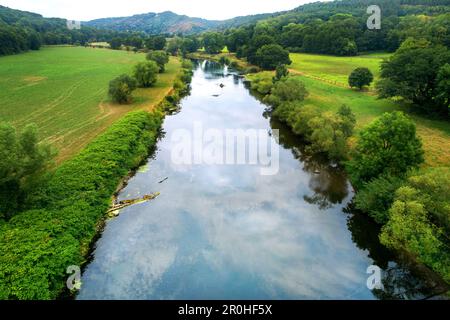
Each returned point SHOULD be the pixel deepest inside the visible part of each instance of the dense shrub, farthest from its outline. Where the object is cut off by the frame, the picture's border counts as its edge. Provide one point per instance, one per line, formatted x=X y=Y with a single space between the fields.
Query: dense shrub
x=37 y=246
x=376 y=197
x=412 y=227
x=146 y=73
x=121 y=89
x=387 y=146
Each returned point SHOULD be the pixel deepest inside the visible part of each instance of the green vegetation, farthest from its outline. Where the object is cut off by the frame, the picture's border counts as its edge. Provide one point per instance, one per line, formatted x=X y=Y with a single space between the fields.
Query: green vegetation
x=38 y=245
x=387 y=146
x=419 y=73
x=121 y=89
x=64 y=91
x=326 y=132
x=270 y=56
x=160 y=57
x=419 y=220
x=23 y=163
x=335 y=70
x=213 y=42
x=146 y=73
x=360 y=78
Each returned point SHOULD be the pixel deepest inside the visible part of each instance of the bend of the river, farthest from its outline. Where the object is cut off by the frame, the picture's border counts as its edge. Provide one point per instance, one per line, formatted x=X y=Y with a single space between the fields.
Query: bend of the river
x=228 y=232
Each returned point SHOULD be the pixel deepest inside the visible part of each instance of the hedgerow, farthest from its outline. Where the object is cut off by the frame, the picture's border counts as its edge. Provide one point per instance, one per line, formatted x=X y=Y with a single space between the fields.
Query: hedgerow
x=38 y=245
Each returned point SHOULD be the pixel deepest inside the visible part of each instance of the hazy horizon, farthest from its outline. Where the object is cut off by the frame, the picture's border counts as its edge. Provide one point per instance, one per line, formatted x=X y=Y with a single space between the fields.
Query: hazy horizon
x=85 y=10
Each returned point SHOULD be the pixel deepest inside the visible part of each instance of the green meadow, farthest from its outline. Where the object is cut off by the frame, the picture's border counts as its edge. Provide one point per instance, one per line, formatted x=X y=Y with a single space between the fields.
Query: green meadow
x=63 y=90
x=325 y=78
x=335 y=70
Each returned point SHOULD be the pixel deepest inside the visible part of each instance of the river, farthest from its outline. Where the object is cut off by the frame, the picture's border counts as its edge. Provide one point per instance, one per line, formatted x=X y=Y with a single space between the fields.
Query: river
x=229 y=232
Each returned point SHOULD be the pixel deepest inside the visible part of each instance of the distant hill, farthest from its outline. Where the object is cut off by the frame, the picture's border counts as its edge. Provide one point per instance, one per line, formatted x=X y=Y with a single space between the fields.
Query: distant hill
x=170 y=22
x=154 y=23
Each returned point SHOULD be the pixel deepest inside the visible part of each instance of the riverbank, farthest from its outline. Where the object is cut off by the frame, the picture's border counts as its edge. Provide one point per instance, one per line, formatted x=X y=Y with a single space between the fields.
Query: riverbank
x=67 y=212
x=233 y=61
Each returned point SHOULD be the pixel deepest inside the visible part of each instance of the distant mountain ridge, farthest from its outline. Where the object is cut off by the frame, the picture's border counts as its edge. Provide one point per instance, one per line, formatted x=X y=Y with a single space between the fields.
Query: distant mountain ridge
x=170 y=22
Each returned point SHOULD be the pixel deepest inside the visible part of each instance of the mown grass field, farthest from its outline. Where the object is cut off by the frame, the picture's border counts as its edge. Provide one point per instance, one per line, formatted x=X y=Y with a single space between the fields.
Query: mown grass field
x=63 y=90
x=326 y=77
x=335 y=69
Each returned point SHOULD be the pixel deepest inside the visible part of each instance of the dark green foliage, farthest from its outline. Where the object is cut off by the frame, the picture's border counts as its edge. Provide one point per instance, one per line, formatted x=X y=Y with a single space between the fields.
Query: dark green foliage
x=121 y=88
x=155 y=43
x=387 y=146
x=326 y=132
x=417 y=72
x=348 y=120
x=116 y=43
x=377 y=196
x=360 y=77
x=23 y=162
x=146 y=73
x=281 y=72
x=213 y=42
x=37 y=246
x=287 y=90
x=160 y=57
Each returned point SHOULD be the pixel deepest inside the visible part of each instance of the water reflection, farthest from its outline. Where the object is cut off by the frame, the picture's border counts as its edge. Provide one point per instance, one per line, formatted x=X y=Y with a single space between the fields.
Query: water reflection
x=226 y=232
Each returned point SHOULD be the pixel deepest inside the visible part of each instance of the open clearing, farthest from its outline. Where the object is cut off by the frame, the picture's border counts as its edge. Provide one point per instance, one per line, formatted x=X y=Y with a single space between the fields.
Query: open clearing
x=63 y=90
x=326 y=77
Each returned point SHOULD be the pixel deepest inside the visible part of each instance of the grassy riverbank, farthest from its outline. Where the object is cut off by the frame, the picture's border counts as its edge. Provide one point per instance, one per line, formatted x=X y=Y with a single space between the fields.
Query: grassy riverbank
x=325 y=79
x=65 y=213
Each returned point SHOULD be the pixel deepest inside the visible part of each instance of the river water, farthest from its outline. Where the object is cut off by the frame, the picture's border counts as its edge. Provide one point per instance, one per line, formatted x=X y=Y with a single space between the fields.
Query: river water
x=229 y=232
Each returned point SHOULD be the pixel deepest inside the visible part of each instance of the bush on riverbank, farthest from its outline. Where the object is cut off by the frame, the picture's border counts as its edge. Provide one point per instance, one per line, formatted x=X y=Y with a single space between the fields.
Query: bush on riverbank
x=38 y=245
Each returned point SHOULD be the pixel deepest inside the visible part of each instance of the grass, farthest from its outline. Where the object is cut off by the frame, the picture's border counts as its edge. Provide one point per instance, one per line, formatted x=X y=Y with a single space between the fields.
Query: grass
x=64 y=91
x=325 y=78
x=335 y=70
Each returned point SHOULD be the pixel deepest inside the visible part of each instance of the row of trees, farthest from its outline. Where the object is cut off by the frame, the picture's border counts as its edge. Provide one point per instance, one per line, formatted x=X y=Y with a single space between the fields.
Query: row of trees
x=411 y=204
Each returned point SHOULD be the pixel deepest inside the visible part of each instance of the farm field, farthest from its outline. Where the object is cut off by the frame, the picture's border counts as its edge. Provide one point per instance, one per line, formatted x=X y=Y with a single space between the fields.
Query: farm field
x=325 y=78
x=63 y=90
x=335 y=69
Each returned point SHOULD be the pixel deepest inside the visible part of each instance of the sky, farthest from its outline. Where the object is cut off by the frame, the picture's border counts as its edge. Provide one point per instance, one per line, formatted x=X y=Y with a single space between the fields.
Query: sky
x=84 y=10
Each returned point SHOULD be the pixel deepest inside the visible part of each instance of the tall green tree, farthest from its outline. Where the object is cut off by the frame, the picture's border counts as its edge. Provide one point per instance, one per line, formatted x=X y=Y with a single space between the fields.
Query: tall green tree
x=160 y=57
x=213 y=42
x=121 y=89
x=387 y=146
x=146 y=73
x=417 y=73
x=270 y=56
x=23 y=162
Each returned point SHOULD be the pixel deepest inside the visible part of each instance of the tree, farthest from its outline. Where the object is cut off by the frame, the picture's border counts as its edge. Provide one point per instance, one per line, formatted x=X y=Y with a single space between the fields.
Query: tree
x=156 y=43
x=175 y=45
x=360 y=77
x=387 y=146
x=270 y=56
x=281 y=72
x=348 y=120
x=24 y=160
x=413 y=73
x=34 y=41
x=146 y=73
x=116 y=43
x=287 y=90
x=213 y=42
x=121 y=88
x=160 y=57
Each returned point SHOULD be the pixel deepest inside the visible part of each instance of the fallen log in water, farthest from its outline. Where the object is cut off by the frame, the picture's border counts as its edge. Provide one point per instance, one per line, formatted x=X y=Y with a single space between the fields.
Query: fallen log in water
x=114 y=210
